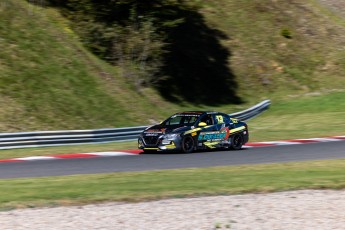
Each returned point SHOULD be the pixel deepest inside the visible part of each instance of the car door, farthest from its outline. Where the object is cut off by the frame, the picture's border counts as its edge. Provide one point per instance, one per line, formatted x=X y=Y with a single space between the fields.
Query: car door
x=210 y=123
x=213 y=130
x=220 y=121
x=222 y=125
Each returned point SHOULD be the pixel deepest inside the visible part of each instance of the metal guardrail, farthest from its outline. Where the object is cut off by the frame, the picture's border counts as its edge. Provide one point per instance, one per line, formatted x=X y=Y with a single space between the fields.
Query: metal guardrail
x=252 y=111
x=72 y=137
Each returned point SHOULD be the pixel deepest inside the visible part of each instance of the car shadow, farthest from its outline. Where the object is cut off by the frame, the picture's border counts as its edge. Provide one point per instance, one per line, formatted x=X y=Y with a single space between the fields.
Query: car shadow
x=196 y=151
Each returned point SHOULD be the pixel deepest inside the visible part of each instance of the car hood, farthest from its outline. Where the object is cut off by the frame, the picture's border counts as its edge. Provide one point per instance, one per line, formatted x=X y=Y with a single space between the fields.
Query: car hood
x=163 y=129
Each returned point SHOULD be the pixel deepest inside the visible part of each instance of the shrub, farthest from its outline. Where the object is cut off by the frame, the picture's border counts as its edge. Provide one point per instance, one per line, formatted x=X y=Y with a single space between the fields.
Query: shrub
x=286 y=33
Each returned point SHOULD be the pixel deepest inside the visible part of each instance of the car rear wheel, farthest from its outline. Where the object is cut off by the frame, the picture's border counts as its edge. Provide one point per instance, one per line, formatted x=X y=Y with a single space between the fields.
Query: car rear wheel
x=188 y=144
x=237 y=142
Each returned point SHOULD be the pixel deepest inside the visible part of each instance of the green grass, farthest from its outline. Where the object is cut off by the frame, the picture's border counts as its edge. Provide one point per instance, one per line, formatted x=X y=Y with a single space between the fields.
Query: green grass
x=304 y=117
x=143 y=186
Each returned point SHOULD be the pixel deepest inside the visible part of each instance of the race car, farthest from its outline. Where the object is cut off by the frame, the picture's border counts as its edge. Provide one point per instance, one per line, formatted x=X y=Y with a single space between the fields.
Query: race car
x=195 y=130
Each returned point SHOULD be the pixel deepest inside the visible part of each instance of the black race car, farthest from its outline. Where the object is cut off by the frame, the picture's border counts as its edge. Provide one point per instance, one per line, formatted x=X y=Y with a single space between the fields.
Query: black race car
x=189 y=131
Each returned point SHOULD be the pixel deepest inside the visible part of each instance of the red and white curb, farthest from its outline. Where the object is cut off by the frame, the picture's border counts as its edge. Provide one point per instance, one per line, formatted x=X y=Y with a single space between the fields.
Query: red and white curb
x=74 y=156
x=137 y=152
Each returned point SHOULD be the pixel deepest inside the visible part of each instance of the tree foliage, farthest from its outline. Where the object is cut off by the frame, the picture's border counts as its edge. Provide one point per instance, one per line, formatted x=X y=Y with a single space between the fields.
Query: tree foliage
x=127 y=33
x=162 y=43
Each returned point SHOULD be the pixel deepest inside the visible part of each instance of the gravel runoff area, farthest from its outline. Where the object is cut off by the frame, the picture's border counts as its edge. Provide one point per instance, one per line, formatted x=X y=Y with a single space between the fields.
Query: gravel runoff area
x=305 y=209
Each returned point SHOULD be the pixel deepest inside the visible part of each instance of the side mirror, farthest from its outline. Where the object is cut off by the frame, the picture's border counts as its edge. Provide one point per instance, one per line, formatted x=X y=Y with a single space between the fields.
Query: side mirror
x=202 y=124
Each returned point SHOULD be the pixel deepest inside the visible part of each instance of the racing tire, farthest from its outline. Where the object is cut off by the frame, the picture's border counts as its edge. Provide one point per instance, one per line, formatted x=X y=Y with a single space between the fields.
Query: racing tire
x=237 y=141
x=188 y=144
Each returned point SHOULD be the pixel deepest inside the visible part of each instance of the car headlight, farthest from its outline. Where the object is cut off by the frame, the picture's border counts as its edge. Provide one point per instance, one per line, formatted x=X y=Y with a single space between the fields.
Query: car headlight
x=171 y=136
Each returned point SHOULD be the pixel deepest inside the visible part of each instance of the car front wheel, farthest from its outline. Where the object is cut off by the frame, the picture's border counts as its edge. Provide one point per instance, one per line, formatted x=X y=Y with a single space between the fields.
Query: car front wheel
x=188 y=144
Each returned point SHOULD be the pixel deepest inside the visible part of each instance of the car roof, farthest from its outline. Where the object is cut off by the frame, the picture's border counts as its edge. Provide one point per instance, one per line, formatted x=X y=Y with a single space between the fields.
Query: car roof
x=198 y=112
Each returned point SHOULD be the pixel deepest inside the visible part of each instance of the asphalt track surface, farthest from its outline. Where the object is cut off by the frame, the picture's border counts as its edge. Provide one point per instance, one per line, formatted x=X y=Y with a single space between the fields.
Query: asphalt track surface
x=160 y=161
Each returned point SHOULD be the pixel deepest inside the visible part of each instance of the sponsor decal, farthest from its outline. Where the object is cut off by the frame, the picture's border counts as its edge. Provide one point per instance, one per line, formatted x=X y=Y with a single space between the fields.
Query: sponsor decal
x=185 y=115
x=217 y=135
x=151 y=134
x=234 y=120
x=193 y=113
x=155 y=130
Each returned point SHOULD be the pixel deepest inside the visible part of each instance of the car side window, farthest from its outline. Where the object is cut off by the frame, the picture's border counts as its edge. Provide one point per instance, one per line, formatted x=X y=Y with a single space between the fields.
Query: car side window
x=226 y=119
x=174 y=121
x=221 y=119
x=190 y=120
x=207 y=119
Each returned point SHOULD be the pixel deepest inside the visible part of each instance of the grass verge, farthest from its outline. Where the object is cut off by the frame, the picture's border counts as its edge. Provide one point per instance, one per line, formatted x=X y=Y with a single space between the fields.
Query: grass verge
x=302 y=116
x=144 y=186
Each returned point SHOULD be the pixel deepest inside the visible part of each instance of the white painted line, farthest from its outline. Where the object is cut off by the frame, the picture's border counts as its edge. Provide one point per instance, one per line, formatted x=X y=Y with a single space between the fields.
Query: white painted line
x=35 y=158
x=281 y=143
x=111 y=154
x=325 y=139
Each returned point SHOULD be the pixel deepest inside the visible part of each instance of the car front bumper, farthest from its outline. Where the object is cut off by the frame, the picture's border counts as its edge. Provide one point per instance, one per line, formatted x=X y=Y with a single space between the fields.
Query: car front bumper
x=159 y=143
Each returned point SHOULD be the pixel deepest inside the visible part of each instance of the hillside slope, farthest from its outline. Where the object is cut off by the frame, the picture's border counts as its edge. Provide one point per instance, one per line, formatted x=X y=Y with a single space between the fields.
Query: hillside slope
x=48 y=81
x=275 y=49
x=282 y=48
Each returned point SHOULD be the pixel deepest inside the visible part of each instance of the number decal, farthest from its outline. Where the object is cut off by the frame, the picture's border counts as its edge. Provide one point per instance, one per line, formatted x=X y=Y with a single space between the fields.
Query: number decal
x=220 y=119
x=234 y=120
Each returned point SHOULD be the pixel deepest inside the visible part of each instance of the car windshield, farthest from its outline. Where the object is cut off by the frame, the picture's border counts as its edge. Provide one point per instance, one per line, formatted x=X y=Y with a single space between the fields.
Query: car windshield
x=182 y=119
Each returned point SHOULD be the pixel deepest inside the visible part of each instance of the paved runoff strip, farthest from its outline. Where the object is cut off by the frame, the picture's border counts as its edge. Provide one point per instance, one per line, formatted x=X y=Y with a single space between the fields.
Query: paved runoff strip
x=137 y=152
